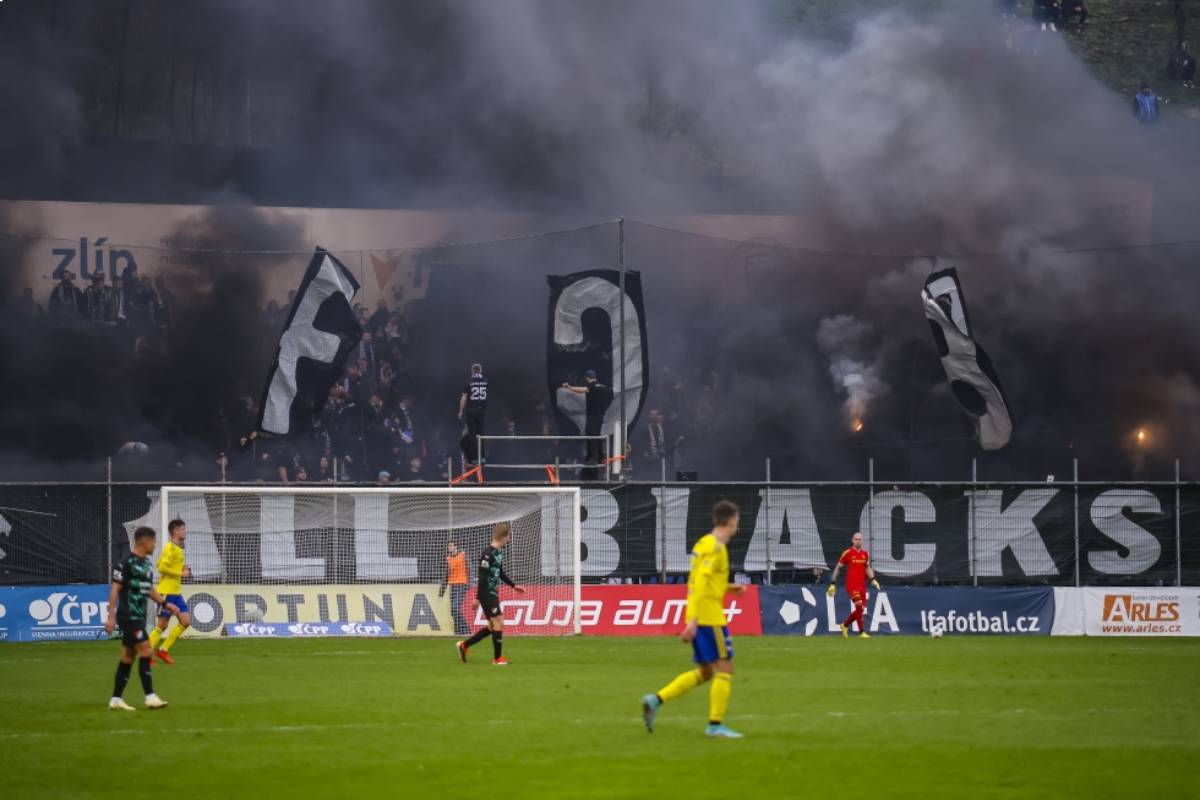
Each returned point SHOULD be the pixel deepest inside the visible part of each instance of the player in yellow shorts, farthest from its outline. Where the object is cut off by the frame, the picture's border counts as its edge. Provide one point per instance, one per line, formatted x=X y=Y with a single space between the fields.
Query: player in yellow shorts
x=712 y=646
x=172 y=570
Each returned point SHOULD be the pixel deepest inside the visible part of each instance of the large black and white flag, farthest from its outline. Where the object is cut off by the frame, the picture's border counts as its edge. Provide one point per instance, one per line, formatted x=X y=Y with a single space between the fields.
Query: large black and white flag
x=968 y=368
x=584 y=332
x=320 y=333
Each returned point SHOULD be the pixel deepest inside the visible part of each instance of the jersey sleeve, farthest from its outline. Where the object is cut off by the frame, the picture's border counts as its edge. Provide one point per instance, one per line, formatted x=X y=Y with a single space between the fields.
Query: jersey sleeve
x=703 y=560
x=120 y=574
x=704 y=563
x=845 y=559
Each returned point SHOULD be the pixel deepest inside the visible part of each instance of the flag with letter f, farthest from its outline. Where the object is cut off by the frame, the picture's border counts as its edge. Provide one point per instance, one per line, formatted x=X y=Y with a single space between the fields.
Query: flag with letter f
x=320 y=333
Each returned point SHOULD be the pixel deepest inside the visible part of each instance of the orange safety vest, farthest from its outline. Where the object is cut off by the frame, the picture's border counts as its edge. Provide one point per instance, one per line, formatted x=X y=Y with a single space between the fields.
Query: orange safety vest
x=457 y=565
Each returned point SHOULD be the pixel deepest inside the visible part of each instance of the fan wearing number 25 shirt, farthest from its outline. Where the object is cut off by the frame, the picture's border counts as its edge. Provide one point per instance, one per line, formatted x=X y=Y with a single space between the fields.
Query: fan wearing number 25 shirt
x=472 y=407
x=857 y=562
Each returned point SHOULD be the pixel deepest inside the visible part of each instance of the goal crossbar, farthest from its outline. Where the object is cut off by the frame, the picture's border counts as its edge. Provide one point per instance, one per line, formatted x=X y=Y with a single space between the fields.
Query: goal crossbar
x=466 y=493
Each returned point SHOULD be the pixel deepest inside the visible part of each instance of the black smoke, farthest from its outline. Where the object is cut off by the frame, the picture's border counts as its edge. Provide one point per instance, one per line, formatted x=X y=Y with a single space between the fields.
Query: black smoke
x=945 y=133
x=76 y=392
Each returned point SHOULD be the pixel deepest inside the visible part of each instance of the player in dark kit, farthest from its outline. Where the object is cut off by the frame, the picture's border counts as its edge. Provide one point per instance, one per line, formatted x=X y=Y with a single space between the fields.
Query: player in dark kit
x=132 y=585
x=472 y=407
x=491 y=573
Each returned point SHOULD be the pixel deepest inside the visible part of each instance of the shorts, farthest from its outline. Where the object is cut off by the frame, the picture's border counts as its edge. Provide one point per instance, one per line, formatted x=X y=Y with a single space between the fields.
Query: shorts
x=712 y=643
x=490 y=604
x=179 y=602
x=858 y=595
x=133 y=634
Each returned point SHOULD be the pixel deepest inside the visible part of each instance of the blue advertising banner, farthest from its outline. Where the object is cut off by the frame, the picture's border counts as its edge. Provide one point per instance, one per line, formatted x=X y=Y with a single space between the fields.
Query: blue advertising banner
x=807 y=611
x=294 y=629
x=53 y=613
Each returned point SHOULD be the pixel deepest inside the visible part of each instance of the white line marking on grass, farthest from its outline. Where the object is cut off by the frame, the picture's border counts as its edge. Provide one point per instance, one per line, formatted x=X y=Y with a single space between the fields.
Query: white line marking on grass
x=337 y=726
x=188 y=731
x=918 y=712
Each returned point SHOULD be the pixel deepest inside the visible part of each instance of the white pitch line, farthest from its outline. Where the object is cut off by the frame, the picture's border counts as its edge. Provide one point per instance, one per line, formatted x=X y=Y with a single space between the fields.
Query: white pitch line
x=312 y=728
x=186 y=731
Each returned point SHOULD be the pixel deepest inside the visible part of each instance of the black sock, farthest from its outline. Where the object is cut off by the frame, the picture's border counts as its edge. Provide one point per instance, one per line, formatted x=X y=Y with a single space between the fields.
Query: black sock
x=497 y=642
x=122 y=678
x=479 y=636
x=144 y=674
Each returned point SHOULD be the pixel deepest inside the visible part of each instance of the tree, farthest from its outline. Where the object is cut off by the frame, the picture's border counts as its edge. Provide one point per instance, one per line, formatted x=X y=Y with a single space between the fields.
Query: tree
x=1184 y=10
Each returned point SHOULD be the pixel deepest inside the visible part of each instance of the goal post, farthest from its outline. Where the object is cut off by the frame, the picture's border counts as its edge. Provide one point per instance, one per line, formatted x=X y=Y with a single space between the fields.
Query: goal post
x=290 y=555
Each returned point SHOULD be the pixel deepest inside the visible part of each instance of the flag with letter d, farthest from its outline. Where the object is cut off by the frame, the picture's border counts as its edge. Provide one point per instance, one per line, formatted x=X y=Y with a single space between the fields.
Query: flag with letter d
x=320 y=333
x=584 y=332
x=972 y=377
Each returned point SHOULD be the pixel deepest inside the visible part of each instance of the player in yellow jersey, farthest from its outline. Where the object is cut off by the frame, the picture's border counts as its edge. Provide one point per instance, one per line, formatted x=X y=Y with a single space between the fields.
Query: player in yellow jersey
x=712 y=646
x=172 y=570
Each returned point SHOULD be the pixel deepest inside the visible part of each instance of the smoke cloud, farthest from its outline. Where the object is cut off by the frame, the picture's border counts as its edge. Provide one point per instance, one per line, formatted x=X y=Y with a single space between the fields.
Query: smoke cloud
x=844 y=339
x=946 y=132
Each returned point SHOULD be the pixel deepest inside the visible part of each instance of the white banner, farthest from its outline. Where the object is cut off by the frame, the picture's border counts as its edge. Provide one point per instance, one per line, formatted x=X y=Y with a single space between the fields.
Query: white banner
x=1068 y=612
x=1141 y=611
x=412 y=609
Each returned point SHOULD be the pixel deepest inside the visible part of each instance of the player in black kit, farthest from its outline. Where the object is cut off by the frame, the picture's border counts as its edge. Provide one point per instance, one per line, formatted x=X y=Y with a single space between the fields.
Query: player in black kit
x=132 y=584
x=491 y=573
x=472 y=406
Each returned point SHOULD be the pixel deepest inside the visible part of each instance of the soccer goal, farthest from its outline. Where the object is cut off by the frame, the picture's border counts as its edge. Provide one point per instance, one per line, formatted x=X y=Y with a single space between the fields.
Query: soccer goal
x=375 y=556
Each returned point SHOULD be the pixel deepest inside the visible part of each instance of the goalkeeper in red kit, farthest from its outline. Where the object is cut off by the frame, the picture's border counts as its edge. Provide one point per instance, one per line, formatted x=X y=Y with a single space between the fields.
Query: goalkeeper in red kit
x=857 y=562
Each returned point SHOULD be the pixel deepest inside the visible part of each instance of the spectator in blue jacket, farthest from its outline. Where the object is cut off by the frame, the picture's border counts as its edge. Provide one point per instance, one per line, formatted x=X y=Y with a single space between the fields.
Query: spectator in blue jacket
x=1145 y=104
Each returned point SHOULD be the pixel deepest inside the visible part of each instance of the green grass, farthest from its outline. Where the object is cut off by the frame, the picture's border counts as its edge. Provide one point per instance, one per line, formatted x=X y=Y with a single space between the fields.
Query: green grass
x=889 y=717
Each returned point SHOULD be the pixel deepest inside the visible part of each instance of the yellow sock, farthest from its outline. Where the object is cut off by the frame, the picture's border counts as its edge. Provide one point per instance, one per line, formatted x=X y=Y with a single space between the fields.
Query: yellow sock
x=155 y=638
x=173 y=636
x=682 y=684
x=718 y=696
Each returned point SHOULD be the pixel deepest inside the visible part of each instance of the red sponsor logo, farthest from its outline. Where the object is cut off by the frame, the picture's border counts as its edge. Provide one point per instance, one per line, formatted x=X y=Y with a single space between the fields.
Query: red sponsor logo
x=615 y=610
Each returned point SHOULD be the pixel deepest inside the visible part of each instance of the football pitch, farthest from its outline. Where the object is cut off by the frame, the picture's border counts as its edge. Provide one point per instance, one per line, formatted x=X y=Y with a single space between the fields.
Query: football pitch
x=829 y=718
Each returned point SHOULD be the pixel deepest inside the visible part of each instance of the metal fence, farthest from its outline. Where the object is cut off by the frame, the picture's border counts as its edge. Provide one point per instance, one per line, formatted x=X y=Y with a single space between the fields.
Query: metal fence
x=965 y=532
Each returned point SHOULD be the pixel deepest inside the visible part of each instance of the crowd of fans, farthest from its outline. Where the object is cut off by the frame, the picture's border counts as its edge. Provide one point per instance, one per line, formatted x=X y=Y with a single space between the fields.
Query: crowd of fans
x=370 y=430
x=137 y=307
x=379 y=425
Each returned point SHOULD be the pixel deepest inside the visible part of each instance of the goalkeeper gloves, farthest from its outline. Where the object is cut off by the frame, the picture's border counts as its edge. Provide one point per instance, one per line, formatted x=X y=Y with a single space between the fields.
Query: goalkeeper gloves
x=832 y=590
x=875 y=583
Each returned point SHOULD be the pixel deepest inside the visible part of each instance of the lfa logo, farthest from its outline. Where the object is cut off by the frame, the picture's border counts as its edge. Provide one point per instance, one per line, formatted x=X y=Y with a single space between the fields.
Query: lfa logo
x=92 y=259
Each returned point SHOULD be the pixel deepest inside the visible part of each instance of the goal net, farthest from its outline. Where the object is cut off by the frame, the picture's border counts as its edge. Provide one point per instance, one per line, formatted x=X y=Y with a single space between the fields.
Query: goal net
x=337 y=561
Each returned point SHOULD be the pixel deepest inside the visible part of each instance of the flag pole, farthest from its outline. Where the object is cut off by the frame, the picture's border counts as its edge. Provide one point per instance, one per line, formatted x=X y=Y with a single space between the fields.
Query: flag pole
x=621 y=267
